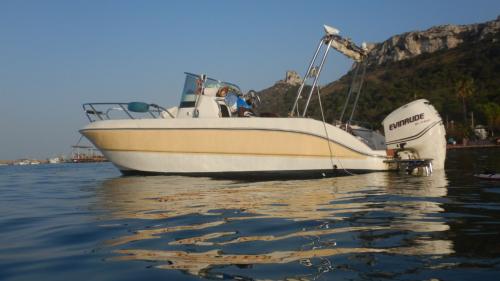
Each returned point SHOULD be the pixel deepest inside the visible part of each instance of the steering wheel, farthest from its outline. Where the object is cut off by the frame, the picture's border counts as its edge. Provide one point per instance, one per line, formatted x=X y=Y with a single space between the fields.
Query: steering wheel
x=255 y=97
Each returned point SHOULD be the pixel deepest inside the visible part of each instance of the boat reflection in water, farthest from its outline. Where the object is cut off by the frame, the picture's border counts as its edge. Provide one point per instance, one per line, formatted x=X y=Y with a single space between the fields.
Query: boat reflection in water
x=303 y=229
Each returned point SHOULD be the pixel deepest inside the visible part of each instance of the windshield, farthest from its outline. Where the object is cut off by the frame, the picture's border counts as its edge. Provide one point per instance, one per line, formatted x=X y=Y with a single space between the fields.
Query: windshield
x=193 y=86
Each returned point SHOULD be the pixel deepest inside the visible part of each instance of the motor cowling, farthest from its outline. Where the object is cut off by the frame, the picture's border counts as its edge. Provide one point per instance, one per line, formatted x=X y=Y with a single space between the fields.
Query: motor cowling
x=416 y=131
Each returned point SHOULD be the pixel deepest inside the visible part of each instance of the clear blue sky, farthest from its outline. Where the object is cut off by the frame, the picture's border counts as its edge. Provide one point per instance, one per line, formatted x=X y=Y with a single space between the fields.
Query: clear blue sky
x=56 y=55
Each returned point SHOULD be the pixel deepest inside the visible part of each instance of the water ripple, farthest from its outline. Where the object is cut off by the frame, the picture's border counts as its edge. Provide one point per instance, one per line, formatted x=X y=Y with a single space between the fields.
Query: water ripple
x=85 y=221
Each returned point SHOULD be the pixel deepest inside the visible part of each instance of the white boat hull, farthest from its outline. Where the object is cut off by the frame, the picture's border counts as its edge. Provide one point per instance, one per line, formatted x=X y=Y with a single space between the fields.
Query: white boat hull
x=267 y=146
x=204 y=164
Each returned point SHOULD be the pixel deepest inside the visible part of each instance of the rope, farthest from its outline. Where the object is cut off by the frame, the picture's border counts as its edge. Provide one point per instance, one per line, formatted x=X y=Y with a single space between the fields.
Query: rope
x=360 y=86
x=349 y=93
x=328 y=138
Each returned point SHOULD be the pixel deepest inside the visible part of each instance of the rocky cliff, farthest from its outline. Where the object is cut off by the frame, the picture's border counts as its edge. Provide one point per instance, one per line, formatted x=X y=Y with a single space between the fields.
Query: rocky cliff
x=414 y=43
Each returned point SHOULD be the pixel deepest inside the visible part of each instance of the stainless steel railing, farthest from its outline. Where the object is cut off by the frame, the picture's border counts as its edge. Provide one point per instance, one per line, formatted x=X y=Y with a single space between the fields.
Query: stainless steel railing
x=119 y=110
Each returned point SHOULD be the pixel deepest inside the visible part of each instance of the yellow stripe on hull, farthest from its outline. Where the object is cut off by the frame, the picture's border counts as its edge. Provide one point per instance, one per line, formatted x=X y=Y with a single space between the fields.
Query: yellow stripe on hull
x=219 y=141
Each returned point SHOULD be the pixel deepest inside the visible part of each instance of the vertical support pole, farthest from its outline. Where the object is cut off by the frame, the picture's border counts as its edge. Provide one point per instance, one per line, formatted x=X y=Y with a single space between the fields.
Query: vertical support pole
x=295 y=104
x=203 y=78
x=95 y=112
x=316 y=78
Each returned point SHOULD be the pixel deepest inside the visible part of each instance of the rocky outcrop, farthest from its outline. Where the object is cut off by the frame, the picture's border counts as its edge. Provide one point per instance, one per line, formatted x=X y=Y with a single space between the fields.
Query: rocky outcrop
x=412 y=44
x=291 y=78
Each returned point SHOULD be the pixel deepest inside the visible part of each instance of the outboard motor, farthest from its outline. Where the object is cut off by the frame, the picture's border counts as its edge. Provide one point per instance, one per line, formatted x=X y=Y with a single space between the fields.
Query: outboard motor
x=416 y=133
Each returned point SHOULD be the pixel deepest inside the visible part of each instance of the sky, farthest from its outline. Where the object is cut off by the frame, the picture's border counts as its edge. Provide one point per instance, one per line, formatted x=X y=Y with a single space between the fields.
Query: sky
x=57 y=55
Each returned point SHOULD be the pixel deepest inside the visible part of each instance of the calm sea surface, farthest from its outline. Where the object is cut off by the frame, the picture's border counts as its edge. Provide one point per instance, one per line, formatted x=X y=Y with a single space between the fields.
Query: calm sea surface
x=86 y=222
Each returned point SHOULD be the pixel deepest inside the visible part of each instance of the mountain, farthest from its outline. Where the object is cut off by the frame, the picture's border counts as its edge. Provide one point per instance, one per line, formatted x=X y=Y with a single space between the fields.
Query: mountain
x=457 y=68
x=414 y=43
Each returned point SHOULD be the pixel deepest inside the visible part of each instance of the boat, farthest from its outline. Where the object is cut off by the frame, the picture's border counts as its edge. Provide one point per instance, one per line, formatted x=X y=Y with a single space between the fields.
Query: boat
x=22 y=162
x=215 y=132
x=55 y=160
x=488 y=175
x=88 y=156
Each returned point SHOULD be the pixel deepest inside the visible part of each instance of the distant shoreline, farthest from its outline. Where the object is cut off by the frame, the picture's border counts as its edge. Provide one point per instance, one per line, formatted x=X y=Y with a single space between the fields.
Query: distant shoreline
x=31 y=162
x=77 y=158
x=459 y=146
x=448 y=147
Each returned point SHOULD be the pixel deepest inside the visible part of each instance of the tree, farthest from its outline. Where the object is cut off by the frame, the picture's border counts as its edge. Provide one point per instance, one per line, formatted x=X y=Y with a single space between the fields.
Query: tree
x=492 y=113
x=465 y=89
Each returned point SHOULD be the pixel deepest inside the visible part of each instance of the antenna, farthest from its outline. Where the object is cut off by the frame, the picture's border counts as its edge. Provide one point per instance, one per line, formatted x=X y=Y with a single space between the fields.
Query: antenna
x=331 y=30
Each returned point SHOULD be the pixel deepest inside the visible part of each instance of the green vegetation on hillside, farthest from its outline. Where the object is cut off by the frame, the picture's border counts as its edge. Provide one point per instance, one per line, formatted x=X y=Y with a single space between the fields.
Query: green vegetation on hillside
x=458 y=82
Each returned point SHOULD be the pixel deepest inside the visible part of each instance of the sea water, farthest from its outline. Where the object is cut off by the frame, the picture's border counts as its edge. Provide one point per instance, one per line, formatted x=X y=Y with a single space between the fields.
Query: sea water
x=87 y=222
